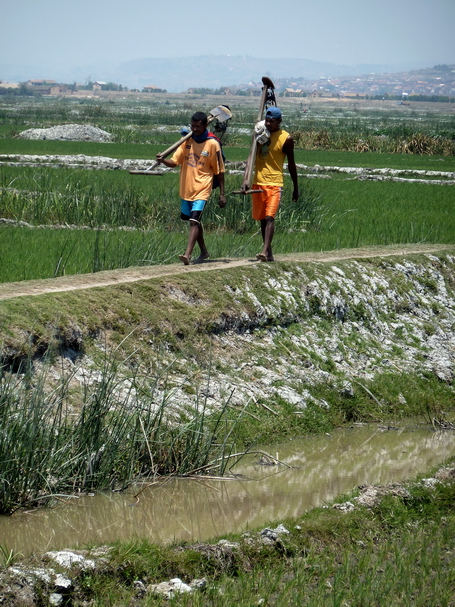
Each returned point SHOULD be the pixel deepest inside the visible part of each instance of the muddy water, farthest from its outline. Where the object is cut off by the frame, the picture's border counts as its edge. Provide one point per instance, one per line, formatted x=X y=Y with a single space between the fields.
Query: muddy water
x=322 y=468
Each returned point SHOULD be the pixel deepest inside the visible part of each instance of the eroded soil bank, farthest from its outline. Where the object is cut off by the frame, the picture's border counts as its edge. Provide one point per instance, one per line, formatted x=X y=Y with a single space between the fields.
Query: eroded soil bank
x=246 y=331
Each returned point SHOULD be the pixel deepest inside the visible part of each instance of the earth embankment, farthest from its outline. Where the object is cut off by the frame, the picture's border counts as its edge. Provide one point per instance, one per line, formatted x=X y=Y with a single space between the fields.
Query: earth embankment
x=275 y=332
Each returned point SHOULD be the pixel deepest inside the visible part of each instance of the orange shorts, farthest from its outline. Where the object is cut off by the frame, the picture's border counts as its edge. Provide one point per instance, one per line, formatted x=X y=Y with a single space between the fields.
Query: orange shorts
x=266 y=203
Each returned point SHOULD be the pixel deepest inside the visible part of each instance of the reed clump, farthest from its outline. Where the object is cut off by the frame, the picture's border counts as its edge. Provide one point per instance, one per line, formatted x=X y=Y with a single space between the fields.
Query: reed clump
x=119 y=432
x=393 y=143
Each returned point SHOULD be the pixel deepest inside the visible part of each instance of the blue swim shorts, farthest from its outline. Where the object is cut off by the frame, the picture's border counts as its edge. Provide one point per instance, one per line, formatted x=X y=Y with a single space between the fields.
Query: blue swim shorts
x=188 y=206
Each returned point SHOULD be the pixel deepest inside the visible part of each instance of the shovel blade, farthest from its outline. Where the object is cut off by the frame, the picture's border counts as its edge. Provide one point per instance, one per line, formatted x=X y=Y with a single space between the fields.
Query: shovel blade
x=267 y=82
x=222 y=113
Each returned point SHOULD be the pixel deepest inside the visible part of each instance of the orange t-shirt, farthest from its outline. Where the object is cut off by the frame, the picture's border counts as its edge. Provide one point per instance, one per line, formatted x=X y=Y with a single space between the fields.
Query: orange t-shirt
x=199 y=162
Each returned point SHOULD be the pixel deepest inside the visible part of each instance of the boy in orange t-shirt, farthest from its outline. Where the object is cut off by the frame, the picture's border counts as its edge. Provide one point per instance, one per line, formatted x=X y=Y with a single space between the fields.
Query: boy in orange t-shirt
x=200 y=160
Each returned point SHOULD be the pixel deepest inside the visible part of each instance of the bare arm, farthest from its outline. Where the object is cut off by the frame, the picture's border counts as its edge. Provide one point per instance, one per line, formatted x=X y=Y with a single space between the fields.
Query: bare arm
x=222 y=199
x=288 y=149
x=166 y=161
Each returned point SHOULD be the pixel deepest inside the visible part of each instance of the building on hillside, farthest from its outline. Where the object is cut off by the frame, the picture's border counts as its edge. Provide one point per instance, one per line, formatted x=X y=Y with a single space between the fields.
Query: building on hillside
x=231 y=90
x=41 y=82
x=42 y=86
x=59 y=90
x=290 y=92
x=8 y=85
x=151 y=88
x=352 y=95
x=254 y=91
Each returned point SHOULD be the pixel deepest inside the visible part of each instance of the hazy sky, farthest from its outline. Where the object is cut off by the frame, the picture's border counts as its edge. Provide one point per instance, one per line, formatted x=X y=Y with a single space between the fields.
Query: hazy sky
x=57 y=33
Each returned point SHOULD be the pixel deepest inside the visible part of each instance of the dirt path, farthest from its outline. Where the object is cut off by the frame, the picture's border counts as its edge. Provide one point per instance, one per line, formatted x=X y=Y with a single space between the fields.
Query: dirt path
x=115 y=277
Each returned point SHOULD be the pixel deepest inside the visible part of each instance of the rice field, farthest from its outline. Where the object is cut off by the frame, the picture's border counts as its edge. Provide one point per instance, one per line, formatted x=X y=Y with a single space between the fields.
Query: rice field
x=87 y=221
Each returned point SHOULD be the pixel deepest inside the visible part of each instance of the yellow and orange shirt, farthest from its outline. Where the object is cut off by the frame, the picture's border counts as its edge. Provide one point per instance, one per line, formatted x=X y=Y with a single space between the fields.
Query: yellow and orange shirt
x=198 y=162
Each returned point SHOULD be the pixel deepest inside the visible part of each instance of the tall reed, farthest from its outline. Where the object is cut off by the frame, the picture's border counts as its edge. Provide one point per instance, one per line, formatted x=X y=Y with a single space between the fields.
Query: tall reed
x=117 y=429
x=414 y=142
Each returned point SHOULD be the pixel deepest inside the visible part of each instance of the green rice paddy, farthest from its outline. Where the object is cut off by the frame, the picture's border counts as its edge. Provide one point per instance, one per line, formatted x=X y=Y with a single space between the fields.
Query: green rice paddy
x=63 y=221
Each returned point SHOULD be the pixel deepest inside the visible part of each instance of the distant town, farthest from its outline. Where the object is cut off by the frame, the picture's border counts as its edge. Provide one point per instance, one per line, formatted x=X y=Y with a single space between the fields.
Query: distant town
x=435 y=84
x=438 y=81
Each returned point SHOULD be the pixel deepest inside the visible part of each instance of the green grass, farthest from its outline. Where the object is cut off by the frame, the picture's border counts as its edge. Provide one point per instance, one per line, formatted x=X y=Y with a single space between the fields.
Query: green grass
x=372 y=213
x=110 y=434
x=135 y=321
x=345 y=158
x=331 y=214
x=233 y=154
x=324 y=127
x=59 y=440
x=81 y=251
x=400 y=552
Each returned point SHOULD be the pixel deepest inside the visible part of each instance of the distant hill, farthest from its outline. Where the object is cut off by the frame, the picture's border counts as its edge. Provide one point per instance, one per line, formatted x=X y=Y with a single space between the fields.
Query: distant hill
x=179 y=74
x=211 y=71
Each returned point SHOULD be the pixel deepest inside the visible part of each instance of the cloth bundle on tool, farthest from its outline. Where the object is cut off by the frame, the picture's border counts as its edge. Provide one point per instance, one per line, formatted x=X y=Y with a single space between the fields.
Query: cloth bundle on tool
x=261 y=132
x=267 y=100
x=221 y=113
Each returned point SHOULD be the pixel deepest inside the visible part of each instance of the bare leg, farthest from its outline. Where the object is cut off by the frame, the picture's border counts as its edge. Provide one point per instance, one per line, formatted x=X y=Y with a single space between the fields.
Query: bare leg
x=267 y=231
x=196 y=235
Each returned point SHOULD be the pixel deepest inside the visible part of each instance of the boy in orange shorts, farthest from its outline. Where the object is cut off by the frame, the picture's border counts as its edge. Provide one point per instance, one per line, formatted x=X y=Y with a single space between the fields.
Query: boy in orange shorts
x=268 y=177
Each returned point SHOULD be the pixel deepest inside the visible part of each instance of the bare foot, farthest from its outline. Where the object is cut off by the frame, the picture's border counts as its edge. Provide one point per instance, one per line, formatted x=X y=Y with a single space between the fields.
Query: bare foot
x=185 y=260
x=261 y=257
x=201 y=258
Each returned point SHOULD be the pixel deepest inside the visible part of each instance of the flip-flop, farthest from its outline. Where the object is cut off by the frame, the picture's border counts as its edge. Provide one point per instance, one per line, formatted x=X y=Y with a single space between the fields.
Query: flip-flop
x=261 y=257
x=185 y=260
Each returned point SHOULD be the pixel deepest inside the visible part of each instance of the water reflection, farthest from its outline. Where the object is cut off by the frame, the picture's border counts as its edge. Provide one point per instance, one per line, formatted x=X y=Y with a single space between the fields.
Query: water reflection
x=322 y=467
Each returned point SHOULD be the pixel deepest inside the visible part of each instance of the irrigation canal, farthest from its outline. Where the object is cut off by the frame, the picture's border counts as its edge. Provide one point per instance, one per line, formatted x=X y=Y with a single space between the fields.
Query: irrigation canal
x=320 y=469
